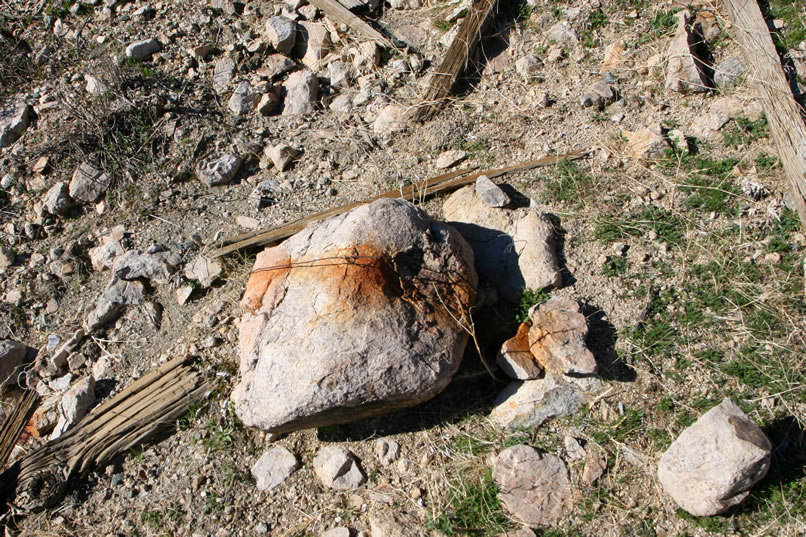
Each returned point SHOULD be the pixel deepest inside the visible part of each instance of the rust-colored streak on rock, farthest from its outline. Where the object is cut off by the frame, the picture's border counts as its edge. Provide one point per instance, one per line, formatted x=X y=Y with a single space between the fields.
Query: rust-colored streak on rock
x=268 y=275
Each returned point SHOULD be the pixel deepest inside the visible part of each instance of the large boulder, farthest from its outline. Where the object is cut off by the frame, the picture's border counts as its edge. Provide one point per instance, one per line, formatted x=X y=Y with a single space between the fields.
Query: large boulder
x=352 y=317
x=712 y=464
x=514 y=249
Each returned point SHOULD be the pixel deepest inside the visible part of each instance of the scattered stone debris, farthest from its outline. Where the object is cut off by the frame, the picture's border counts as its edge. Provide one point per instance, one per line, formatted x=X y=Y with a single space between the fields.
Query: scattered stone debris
x=530 y=403
x=646 y=144
x=516 y=359
x=302 y=92
x=387 y=451
x=491 y=194
x=450 y=158
x=57 y=200
x=156 y=264
x=117 y=295
x=713 y=464
x=282 y=155
x=243 y=100
x=282 y=34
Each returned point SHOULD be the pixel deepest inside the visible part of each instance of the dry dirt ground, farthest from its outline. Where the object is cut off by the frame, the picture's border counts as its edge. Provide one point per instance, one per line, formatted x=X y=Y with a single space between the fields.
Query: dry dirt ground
x=693 y=288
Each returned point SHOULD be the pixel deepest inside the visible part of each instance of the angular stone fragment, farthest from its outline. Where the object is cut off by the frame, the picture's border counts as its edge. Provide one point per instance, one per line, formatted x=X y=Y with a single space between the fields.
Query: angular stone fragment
x=223 y=74
x=390 y=120
x=515 y=359
x=337 y=468
x=684 y=68
x=728 y=71
x=219 y=170
x=594 y=469
x=12 y=359
x=513 y=249
x=75 y=404
x=648 y=144
x=312 y=44
x=117 y=295
x=449 y=158
x=598 y=95
x=713 y=464
x=301 y=93
x=203 y=269
x=532 y=402
x=157 y=264
x=281 y=155
x=557 y=338
x=369 y=294
x=274 y=467
x=275 y=65
x=528 y=65
x=282 y=34
x=534 y=487
x=340 y=74
x=491 y=194
x=57 y=200
x=7 y=257
x=563 y=33
x=88 y=183
x=15 y=116
x=387 y=451
x=243 y=99
x=143 y=49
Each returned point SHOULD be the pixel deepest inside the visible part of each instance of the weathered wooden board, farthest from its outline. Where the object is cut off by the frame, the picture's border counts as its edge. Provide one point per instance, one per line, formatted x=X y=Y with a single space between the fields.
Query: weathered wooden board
x=782 y=111
x=150 y=405
x=15 y=423
x=441 y=183
x=455 y=60
x=337 y=12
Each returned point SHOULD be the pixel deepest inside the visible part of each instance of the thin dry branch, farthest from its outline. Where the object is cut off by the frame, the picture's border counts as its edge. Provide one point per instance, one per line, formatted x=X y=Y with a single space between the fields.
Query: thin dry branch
x=442 y=183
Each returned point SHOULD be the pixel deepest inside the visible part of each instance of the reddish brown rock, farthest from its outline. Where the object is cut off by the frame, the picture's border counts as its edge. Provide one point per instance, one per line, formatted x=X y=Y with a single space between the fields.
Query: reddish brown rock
x=515 y=359
x=557 y=338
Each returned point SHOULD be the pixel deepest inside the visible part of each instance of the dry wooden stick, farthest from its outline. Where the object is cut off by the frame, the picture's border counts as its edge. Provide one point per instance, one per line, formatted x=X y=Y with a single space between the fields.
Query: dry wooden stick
x=442 y=183
x=455 y=60
x=15 y=422
x=780 y=108
x=150 y=405
x=338 y=13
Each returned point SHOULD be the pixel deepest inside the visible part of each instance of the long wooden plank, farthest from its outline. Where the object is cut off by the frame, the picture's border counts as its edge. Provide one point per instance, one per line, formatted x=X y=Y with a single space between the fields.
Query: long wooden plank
x=768 y=79
x=455 y=60
x=429 y=187
x=338 y=13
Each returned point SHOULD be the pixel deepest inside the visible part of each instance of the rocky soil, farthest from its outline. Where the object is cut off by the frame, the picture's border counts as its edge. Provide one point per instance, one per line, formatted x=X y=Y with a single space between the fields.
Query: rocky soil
x=135 y=136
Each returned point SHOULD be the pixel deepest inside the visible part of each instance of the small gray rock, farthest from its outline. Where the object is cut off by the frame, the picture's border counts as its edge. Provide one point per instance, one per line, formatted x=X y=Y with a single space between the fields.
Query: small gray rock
x=274 y=467
x=282 y=34
x=57 y=200
x=490 y=193
x=223 y=74
x=340 y=73
x=341 y=531
x=598 y=95
x=88 y=183
x=143 y=49
x=264 y=194
x=387 y=451
x=12 y=359
x=301 y=93
x=219 y=170
x=157 y=265
x=528 y=65
x=117 y=295
x=563 y=33
x=75 y=404
x=449 y=158
x=203 y=269
x=713 y=464
x=7 y=257
x=281 y=155
x=728 y=71
x=337 y=468
x=530 y=403
x=15 y=116
x=243 y=99
x=534 y=487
